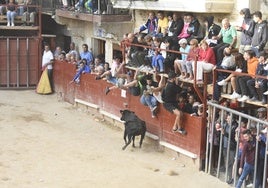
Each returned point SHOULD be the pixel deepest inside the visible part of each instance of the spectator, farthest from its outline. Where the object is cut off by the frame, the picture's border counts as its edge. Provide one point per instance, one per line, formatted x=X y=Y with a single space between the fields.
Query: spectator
x=241 y=81
x=132 y=50
x=86 y=54
x=169 y=97
x=212 y=30
x=247 y=161
x=186 y=22
x=241 y=66
x=82 y=69
x=206 y=60
x=191 y=57
x=47 y=63
x=259 y=38
x=98 y=65
x=170 y=56
x=28 y=17
x=11 y=12
x=147 y=97
x=247 y=30
x=180 y=64
x=229 y=37
x=228 y=131
x=57 y=53
x=73 y=51
x=176 y=27
x=162 y=24
x=259 y=83
x=193 y=28
x=3 y=7
x=150 y=25
x=158 y=61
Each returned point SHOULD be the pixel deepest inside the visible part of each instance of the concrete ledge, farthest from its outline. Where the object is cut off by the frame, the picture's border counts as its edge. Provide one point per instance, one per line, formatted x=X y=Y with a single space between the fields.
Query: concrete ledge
x=87 y=103
x=112 y=116
x=178 y=149
x=152 y=136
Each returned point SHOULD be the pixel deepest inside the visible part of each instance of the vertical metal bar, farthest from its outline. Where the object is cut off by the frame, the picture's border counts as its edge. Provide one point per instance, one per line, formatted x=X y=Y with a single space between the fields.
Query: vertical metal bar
x=8 y=63
x=212 y=138
x=265 y=163
x=256 y=154
x=237 y=149
x=27 y=61
x=220 y=149
x=18 y=67
x=228 y=146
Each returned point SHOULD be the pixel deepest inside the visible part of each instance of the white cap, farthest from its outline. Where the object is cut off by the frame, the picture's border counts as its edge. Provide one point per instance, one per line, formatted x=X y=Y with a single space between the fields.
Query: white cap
x=183 y=41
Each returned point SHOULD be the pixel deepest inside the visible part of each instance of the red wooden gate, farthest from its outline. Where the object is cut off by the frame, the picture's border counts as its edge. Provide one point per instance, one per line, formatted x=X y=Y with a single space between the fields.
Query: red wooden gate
x=19 y=62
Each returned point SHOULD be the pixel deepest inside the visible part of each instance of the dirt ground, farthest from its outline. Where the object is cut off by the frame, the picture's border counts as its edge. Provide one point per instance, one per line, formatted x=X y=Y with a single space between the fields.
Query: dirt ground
x=47 y=143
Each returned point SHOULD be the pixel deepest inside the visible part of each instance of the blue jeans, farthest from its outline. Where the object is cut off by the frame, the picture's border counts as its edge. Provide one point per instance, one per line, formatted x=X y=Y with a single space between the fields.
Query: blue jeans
x=148 y=100
x=248 y=168
x=11 y=16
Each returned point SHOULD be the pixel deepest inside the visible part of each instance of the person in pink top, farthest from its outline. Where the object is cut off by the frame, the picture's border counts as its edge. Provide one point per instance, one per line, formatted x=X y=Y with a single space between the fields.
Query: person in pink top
x=206 y=60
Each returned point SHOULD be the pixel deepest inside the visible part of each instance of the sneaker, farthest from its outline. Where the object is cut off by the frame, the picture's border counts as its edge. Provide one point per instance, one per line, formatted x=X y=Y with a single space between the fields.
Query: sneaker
x=12 y=24
x=264 y=101
x=8 y=24
x=222 y=83
x=107 y=90
x=235 y=95
x=253 y=99
x=243 y=99
x=97 y=77
x=182 y=131
x=265 y=93
x=153 y=110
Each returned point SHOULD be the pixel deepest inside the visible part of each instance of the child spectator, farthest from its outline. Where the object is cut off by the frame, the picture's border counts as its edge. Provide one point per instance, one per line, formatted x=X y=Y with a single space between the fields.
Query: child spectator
x=158 y=62
x=147 y=97
x=82 y=69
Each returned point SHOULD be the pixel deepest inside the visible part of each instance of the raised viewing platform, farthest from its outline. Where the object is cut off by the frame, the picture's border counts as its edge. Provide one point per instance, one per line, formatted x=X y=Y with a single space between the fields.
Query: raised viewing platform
x=89 y=17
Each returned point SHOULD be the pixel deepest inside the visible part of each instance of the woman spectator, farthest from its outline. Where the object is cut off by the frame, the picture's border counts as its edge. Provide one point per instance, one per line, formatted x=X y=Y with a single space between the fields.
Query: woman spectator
x=192 y=56
x=206 y=60
x=11 y=12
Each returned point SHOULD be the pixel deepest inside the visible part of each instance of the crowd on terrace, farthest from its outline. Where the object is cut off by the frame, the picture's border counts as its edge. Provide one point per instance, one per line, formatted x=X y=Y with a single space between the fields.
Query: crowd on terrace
x=170 y=50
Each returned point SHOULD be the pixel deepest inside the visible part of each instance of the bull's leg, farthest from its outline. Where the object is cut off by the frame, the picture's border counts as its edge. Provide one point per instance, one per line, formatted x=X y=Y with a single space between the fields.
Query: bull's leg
x=142 y=137
x=125 y=136
x=128 y=142
x=133 y=141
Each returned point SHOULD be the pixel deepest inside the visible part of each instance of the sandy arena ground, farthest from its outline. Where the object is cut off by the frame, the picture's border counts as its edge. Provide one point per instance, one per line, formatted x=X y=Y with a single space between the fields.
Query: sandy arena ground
x=46 y=143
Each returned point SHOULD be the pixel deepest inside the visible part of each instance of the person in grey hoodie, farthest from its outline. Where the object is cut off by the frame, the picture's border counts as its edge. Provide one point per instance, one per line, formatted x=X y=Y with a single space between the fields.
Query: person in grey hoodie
x=260 y=35
x=246 y=29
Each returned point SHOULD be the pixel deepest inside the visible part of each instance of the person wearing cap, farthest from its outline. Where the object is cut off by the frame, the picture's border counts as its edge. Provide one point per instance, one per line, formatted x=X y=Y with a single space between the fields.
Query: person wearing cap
x=180 y=64
x=170 y=103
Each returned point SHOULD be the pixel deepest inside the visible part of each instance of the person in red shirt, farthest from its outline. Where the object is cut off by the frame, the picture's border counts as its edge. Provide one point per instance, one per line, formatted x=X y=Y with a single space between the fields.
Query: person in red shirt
x=206 y=60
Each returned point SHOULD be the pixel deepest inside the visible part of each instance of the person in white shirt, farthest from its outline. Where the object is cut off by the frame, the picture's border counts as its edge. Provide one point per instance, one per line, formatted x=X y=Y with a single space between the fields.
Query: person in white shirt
x=47 y=61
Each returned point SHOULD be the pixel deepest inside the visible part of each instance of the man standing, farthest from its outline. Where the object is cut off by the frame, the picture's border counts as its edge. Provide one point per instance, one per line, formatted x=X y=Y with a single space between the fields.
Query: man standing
x=259 y=38
x=86 y=54
x=47 y=61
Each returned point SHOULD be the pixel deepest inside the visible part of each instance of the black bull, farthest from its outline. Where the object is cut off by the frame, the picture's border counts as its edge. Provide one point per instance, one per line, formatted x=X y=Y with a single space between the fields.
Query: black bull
x=134 y=126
